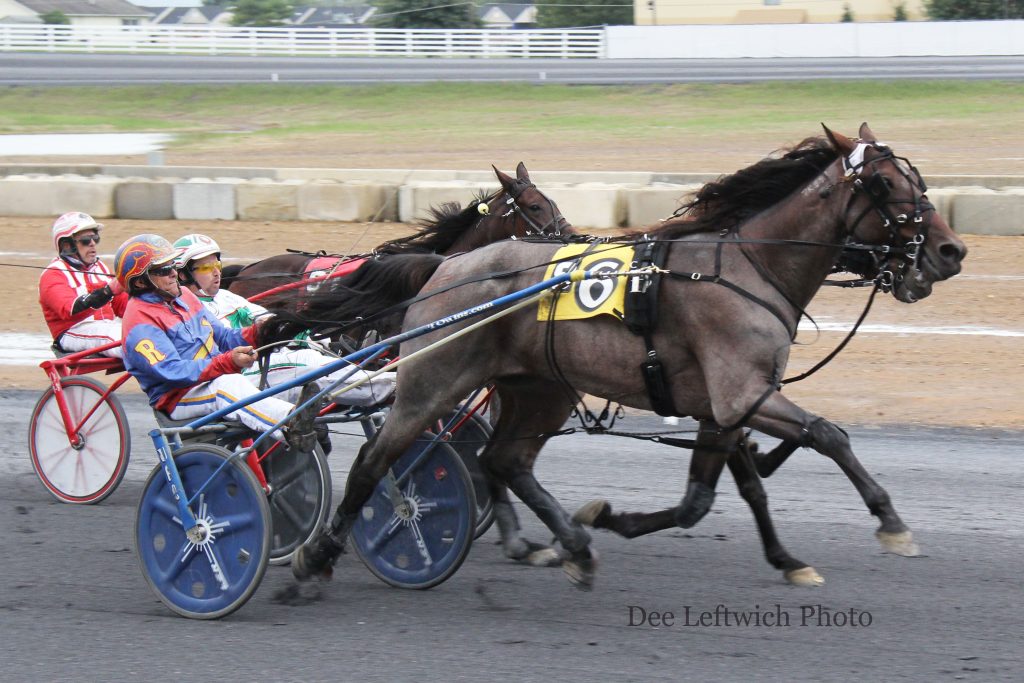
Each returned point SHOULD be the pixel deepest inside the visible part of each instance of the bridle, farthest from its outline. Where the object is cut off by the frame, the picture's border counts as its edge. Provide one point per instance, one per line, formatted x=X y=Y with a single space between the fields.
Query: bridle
x=877 y=189
x=535 y=229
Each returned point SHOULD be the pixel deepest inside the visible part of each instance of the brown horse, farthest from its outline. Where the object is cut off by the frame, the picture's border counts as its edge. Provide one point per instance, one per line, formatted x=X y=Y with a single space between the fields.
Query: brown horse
x=517 y=209
x=742 y=266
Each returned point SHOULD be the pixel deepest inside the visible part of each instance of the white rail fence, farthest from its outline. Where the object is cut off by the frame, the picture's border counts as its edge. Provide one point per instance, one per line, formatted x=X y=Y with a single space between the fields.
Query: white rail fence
x=918 y=38
x=210 y=40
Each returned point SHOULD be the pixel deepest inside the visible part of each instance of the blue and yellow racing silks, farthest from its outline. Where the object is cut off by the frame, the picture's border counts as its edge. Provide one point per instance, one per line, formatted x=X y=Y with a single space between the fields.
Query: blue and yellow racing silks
x=169 y=347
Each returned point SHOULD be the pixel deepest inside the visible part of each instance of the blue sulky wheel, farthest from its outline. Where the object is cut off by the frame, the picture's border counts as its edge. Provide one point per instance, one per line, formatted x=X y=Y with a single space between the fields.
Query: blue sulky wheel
x=469 y=442
x=425 y=542
x=300 y=498
x=212 y=578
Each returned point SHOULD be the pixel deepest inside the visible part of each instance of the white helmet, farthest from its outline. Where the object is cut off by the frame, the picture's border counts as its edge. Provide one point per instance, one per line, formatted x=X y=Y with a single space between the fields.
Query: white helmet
x=71 y=223
x=195 y=246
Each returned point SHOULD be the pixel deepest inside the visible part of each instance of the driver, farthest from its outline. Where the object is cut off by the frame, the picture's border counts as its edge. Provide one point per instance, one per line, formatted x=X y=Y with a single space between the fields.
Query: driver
x=81 y=300
x=199 y=270
x=186 y=361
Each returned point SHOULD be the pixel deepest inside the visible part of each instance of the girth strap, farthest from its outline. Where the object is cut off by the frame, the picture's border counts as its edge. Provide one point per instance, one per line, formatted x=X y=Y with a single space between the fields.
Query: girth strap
x=641 y=318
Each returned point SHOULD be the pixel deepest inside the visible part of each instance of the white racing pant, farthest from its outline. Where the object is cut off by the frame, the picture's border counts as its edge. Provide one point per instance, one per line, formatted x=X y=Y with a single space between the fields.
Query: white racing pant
x=89 y=334
x=207 y=397
x=288 y=364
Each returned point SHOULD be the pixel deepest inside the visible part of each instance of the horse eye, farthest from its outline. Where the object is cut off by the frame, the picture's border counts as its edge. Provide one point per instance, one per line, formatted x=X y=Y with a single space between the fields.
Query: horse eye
x=888 y=183
x=534 y=207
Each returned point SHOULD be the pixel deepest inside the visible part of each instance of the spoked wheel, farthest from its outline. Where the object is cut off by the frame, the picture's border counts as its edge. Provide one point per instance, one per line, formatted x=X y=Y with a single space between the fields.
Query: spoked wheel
x=89 y=471
x=300 y=498
x=425 y=542
x=469 y=441
x=215 y=576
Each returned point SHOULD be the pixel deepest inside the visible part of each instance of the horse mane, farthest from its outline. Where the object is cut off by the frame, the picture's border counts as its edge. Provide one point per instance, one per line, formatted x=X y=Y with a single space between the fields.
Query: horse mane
x=729 y=201
x=437 y=234
x=378 y=285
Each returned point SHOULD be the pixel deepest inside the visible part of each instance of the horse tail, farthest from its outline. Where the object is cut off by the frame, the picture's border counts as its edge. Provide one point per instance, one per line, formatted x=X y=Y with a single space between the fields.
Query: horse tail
x=377 y=289
x=228 y=275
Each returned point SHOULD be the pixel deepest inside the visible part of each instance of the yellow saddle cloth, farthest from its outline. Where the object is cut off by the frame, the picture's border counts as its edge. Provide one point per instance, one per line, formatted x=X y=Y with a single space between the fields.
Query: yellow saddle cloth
x=588 y=298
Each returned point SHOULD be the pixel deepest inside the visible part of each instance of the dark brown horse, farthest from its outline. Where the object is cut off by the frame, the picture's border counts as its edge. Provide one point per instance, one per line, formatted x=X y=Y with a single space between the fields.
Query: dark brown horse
x=743 y=264
x=517 y=209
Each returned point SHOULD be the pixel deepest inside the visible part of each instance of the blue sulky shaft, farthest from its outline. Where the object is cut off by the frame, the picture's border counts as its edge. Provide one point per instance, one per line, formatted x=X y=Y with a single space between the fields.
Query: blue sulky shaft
x=385 y=344
x=163 y=447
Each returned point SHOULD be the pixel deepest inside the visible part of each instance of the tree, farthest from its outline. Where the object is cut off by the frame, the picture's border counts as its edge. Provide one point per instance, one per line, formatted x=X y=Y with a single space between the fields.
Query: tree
x=974 y=9
x=565 y=13
x=55 y=17
x=899 y=12
x=260 y=12
x=847 y=14
x=425 y=14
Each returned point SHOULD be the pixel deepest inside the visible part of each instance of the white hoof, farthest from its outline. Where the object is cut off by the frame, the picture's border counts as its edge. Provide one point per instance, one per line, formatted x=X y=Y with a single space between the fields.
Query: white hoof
x=581 y=572
x=591 y=511
x=806 y=577
x=546 y=557
x=898 y=544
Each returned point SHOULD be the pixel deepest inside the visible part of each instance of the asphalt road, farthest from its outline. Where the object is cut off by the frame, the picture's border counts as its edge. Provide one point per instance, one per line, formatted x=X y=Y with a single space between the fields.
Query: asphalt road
x=75 y=605
x=100 y=69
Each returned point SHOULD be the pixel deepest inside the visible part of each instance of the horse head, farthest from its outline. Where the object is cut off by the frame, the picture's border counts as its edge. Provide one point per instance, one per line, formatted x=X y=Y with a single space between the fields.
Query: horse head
x=889 y=215
x=522 y=209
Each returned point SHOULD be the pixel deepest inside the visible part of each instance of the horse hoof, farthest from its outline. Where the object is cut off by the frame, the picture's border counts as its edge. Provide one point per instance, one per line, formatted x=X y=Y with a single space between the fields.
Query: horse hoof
x=592 y=513
x=308 y=564
x=901 y=543
x=544 y=557
x=581 y=571
x=805 y=577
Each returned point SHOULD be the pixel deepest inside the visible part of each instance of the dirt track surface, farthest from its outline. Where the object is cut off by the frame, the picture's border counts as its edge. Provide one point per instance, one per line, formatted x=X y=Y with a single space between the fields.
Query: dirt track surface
x=881 y=377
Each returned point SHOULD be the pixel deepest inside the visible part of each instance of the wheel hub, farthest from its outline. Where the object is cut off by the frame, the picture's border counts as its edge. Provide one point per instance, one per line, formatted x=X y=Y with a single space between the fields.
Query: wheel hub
x=408 y=510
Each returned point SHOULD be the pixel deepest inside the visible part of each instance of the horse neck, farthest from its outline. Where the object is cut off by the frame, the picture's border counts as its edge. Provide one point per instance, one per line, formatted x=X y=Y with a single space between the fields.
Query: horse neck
x=806 y=216
x=481 y=233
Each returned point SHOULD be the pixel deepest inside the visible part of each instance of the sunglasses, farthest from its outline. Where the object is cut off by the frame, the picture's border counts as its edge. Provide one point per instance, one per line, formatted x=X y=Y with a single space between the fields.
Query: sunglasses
x=163 y=271
x=88 y=240
x=208 y=267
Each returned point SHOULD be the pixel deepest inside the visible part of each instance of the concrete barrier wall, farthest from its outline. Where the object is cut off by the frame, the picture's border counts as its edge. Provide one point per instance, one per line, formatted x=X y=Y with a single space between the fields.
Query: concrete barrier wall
x=592 y=202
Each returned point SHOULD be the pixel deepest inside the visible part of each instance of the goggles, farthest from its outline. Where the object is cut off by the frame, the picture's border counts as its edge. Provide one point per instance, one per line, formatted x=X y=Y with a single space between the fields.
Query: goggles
x=208 y=268
x=163 y=271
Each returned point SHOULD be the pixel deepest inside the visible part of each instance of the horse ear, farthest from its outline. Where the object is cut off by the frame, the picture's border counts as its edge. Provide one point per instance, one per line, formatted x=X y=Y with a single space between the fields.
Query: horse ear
x=842 y=144
x=522 y=173
x=507 y=181
x=866 y=134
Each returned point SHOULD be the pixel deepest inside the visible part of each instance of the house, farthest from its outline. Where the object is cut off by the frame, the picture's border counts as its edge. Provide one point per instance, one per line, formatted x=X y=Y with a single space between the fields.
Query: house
x=508 y=15
x=651 y=12
x=307 y=17
x=79 y=12
x=352 y=16
x=206 y=15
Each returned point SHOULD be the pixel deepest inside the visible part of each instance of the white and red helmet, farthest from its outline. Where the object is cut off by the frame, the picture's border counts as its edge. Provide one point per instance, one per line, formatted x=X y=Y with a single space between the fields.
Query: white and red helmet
x=72 y=223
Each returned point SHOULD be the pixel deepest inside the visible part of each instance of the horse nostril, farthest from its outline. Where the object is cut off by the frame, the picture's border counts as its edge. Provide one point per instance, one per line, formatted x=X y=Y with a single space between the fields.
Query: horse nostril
x=953 y=252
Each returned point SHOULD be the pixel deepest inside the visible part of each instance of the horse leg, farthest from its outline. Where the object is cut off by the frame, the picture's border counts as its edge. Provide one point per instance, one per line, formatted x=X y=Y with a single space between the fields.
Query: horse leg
x=515 y=546
x=525 y=422
x=780 y=417
x=404 y=424
x=706 y=465
x=767 y=463
x=741 y=465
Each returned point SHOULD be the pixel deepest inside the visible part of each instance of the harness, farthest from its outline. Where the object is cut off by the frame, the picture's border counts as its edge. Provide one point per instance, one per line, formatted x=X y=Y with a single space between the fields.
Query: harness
x=877 y=189
x=641 y=318
x=520 y=186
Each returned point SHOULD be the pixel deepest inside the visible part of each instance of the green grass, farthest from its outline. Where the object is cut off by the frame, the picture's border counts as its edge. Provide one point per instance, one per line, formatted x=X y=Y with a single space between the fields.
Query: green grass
x=583 y=111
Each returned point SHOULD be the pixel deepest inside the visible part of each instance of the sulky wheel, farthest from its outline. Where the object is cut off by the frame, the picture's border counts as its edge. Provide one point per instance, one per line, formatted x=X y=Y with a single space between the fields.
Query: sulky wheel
x=469 y=440
x=300 y=498
x=89 y=471
x=216 y=575
x=423 y=543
